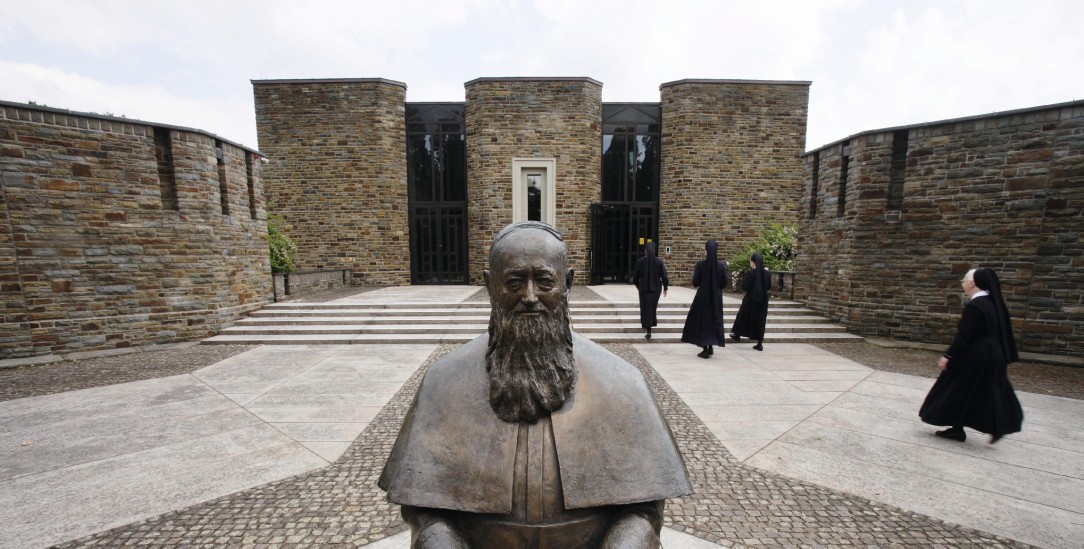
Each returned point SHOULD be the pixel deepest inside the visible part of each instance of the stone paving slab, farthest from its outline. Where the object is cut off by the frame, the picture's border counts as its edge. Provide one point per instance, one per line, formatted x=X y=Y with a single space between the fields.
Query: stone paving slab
x=869 y=441
x=735 y=505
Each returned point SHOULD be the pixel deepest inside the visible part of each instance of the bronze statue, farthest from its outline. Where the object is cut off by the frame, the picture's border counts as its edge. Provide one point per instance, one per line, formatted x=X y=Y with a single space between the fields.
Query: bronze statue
x=532 y=436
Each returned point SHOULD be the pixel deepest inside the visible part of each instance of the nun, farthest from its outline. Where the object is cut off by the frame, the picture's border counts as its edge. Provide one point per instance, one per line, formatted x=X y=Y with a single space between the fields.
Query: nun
x=973 y=389
x=650 y=279
x=753 y=313
x=704 y=325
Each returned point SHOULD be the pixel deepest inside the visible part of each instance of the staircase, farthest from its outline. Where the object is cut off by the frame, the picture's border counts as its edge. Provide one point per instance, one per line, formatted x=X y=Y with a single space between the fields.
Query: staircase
x=601 y=321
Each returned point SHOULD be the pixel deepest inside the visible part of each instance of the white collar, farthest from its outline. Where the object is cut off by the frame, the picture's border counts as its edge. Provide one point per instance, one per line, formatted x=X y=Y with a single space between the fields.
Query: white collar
x=979 y=293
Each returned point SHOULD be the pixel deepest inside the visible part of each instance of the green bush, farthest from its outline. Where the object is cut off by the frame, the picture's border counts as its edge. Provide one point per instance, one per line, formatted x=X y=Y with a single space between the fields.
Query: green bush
x=777 y=243
x=283 y=248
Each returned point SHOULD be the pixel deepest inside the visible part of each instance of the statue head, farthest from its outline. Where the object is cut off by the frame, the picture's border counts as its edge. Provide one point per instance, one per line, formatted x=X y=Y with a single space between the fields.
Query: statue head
x=529 y=359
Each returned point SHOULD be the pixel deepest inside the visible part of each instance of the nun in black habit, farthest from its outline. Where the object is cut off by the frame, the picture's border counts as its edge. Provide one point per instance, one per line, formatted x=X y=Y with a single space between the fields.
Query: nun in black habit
x=753 y=313
x=650 y=279
x=973 y=389
x=704 y=325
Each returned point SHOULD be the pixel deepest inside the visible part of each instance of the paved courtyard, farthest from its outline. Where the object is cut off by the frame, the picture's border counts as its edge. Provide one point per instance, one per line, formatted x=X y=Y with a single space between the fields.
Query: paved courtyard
x=281 y=446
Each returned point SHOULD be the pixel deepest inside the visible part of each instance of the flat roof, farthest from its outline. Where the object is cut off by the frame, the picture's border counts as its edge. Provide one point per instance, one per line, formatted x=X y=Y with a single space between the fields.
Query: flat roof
x=533 y=79
x=329 y=81
x=731 y=81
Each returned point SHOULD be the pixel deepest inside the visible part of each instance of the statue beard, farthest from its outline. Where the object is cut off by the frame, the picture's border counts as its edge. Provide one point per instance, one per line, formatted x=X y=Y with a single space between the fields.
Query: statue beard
x=531 y=367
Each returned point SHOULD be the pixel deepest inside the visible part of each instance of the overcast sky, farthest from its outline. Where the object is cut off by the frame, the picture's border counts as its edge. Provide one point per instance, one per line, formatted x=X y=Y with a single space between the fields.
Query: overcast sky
x=873 y=63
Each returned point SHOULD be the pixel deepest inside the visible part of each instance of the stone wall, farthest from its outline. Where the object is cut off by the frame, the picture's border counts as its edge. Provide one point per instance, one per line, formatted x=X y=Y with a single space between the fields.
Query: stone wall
x=338 y=173
x=1004 y=191
x=508 y=118
x=94 y=255
x=731 y=163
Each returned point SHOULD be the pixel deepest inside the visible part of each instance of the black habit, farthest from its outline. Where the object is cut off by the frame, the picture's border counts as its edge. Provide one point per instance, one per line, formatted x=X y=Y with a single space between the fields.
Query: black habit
x=650 y=279
x=974 y=390
x=704 y=325
x=753 y=313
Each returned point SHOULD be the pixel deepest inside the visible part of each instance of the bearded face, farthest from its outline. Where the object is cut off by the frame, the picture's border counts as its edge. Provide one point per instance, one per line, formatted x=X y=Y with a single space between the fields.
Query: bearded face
x=530 y=362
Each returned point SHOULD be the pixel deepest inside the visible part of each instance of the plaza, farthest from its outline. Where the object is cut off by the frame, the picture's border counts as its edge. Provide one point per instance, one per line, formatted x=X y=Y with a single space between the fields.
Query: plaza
x=281 y=445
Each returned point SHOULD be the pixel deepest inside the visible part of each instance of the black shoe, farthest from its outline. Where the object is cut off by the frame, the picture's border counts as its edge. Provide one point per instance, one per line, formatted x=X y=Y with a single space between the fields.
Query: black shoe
x=703 y=354
x=735 y=337
x=995 y=438
x=711 y=351
x=953 y=433
x=648 y=334
x=758 y=347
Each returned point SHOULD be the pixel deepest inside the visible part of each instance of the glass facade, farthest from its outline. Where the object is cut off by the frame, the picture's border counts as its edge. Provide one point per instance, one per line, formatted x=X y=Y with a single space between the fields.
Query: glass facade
x=631 y=152
x=437 y=187
x=628 y=215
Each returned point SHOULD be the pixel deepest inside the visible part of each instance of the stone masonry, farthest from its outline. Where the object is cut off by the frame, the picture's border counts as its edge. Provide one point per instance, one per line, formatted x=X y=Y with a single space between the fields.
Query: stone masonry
x=338 y=172
x=731 y=163
x=508 y=118
x=1004 y=191
x=116 y=232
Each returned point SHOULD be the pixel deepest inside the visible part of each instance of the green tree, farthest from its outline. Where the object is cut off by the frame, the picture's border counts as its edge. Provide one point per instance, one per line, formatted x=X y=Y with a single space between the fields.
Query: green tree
x=283 y=248
x=777 y=243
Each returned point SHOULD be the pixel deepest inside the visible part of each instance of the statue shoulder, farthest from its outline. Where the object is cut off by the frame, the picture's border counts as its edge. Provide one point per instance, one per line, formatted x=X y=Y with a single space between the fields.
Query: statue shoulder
x=457 y=364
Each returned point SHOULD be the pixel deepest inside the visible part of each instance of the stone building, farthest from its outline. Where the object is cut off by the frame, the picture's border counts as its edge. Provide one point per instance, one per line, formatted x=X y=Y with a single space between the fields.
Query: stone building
x=891 y=220
x=412 y=193
x=119 y=233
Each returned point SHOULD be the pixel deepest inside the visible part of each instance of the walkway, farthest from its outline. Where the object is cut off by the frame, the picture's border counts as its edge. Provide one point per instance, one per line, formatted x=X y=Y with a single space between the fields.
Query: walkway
x=281 y=445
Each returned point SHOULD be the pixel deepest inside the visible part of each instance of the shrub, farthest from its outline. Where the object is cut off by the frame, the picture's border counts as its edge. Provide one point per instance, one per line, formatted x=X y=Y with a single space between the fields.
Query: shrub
x=778 y=245
x=283 y=248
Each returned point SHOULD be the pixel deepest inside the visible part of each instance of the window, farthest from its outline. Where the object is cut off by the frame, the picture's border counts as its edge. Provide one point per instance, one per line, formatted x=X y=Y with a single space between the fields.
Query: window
x=631 y=152
x=896 y=172
x=436 y=152
x=844 y=167
x=223 y=185
x=251 y=185
x=163 y=149
x=816 y=184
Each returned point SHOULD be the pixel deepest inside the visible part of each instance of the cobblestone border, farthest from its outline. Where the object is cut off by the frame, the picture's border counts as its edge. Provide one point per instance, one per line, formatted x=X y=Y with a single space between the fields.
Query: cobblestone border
x=733 y=505
x=338 y=506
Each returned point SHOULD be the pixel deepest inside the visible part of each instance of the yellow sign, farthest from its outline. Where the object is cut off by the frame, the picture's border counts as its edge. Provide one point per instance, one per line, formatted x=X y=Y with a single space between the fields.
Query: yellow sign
x=641 y=241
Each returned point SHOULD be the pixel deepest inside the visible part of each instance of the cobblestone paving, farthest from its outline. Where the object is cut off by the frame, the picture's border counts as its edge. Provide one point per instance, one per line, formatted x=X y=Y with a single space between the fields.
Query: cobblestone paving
x=338 y=506
x=733 y=505
x=1044 y=379
x=72 y=375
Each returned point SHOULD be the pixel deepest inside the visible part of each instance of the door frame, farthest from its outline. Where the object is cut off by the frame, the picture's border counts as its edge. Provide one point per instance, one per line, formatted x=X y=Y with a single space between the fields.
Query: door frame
x=520 y=168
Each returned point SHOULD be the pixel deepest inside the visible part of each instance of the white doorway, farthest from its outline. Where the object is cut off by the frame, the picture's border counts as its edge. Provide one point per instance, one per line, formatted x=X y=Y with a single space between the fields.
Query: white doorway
x=534 y=193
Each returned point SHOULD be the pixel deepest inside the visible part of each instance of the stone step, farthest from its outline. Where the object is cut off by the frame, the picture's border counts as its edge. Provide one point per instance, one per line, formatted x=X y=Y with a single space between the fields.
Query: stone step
x=357 y=339
x=407 y=320
x=457 y=322
x=666 y=303
x=476 y=329
x=484 y=311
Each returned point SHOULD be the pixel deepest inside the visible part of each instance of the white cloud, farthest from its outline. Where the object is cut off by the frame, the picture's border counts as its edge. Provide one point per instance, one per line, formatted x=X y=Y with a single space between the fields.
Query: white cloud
x=67 y=90
x=873 y=64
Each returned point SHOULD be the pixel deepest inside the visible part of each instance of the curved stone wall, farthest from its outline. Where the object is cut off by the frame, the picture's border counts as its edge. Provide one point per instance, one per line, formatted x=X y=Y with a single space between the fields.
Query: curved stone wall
x=338 y=173
x=559 y=118
x=731 y=163
x=96 y=252
x=1004 y=191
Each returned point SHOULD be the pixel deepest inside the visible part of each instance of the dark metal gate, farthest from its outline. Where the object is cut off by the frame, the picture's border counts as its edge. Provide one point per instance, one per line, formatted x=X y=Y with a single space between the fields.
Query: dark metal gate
x=438 y=234
x=437 y=186
x=617 y=233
